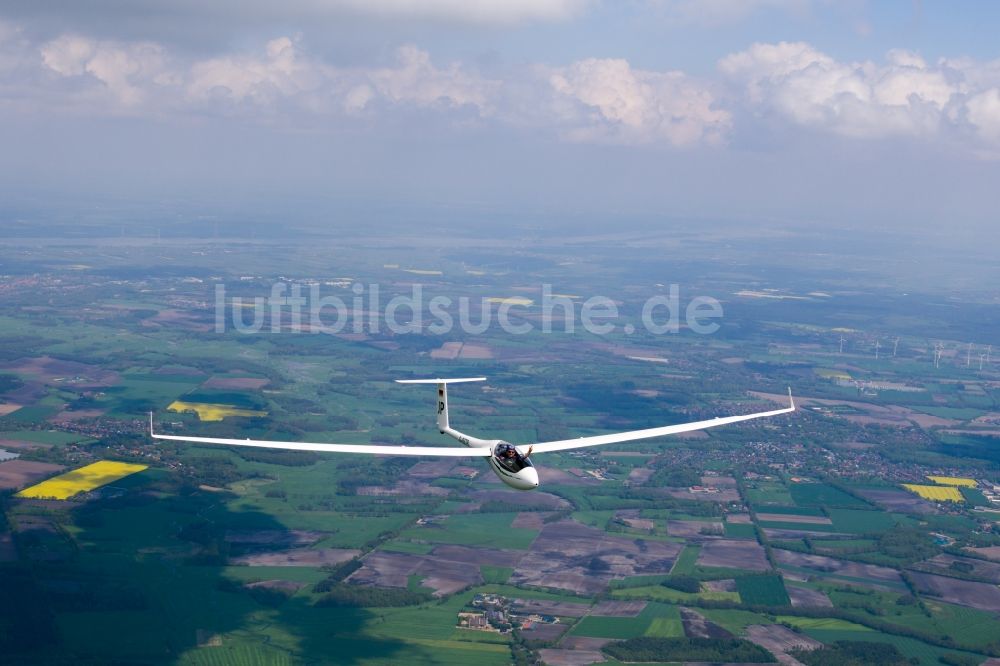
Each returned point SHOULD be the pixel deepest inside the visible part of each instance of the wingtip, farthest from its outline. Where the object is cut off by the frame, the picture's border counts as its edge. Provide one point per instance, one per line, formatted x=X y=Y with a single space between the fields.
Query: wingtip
x=791 y=400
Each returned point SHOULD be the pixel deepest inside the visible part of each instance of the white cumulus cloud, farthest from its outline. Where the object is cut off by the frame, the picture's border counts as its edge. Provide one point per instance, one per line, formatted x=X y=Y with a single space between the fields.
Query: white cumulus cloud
x=284 y=73
x=983 y=112
x=94 y=76
x=279 y=72
x=597 y=100
x=418 y=81
x=903 y=96
x=591 y=100
x=608 y=100
x=125 y=70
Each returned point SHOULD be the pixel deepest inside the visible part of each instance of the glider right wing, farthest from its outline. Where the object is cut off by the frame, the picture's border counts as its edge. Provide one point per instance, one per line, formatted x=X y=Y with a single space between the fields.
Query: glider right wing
x=632 y=435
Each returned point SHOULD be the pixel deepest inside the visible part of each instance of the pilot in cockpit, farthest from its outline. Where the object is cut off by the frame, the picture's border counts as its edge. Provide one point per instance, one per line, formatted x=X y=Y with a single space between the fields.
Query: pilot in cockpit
x=509 y=456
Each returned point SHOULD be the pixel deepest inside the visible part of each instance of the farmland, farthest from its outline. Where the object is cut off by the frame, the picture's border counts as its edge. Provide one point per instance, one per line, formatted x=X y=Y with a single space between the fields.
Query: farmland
x=952 y=481
x=936 y=493
x=821 y=494
x=211 y=411
x=762 y=591
x=655 y=620
x=218 y=556
x=89 y=477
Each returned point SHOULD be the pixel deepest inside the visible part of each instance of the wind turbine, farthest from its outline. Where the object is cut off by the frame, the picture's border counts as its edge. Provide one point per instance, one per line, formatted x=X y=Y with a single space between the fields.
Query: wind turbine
x=895 y=344
x=876 y=348
x=842 y=340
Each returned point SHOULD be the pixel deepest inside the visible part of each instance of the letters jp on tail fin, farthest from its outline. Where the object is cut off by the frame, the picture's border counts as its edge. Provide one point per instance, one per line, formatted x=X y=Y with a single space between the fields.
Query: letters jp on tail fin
x=442 y=413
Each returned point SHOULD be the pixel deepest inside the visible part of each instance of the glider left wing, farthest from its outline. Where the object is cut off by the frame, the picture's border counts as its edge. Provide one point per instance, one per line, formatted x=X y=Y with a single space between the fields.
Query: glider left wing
x=383 y=450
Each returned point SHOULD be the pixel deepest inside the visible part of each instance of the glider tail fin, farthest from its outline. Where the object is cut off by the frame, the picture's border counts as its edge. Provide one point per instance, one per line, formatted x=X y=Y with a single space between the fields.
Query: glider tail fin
x=442 y=407
x=442 y=396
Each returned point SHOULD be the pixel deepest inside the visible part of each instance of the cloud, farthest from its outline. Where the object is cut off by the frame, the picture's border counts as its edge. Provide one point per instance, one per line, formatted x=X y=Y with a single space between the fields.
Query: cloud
x=94 y=76
x=125 y=71
x=904 y=96
x=259 y=79
x=284 y=73
x=591 y=100
x=416 y=80
x=983 y=113
x=607 y=100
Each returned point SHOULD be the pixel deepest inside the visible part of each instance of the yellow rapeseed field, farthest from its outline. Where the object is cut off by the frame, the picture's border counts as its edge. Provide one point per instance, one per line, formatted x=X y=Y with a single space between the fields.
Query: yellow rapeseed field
x=936 y=493
x=953 y=481
x=81 y=480
x=207 y=411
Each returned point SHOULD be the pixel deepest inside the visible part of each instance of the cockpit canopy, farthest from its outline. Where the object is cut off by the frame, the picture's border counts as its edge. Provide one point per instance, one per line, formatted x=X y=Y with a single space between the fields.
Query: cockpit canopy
x=506 y=454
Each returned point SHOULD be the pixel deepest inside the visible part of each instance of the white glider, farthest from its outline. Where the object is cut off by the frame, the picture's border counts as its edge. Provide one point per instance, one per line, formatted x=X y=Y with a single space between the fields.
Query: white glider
x=511 y=463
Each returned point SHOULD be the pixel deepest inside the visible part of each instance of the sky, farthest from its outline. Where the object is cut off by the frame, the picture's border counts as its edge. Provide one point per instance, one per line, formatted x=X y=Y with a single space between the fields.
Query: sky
x=848 y=112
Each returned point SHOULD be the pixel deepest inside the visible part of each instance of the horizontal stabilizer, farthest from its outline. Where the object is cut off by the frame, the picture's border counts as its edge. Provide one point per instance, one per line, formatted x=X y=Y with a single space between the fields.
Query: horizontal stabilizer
x=441 y=381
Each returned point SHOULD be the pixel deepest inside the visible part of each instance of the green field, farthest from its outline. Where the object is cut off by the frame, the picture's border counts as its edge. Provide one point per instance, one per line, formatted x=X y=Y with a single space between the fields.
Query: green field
x=661 y=593
x=42 y=436
x=762 y=590
x=824 y=623
x=598 y=519
x=498 y=575
x=974 y=496
x=968 y=626
x=740 y=531
x=478 y=529
x=925 y=654
x=861 y=522
x=736 y=621
x=822 y=494
x=769 y=493
x=38 y=413
x=687 y=559
x=655 y=620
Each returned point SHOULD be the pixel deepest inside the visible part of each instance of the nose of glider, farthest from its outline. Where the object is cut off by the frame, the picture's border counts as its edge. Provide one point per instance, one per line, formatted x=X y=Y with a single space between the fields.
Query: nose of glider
x=530 y=475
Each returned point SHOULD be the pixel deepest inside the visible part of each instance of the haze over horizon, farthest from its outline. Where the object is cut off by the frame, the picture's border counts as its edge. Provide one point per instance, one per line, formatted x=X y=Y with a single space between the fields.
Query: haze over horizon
x=769 y=112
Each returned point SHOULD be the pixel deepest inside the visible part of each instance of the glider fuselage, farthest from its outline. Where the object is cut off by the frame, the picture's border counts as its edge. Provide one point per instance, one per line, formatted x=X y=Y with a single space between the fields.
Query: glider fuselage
x=510 y=466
